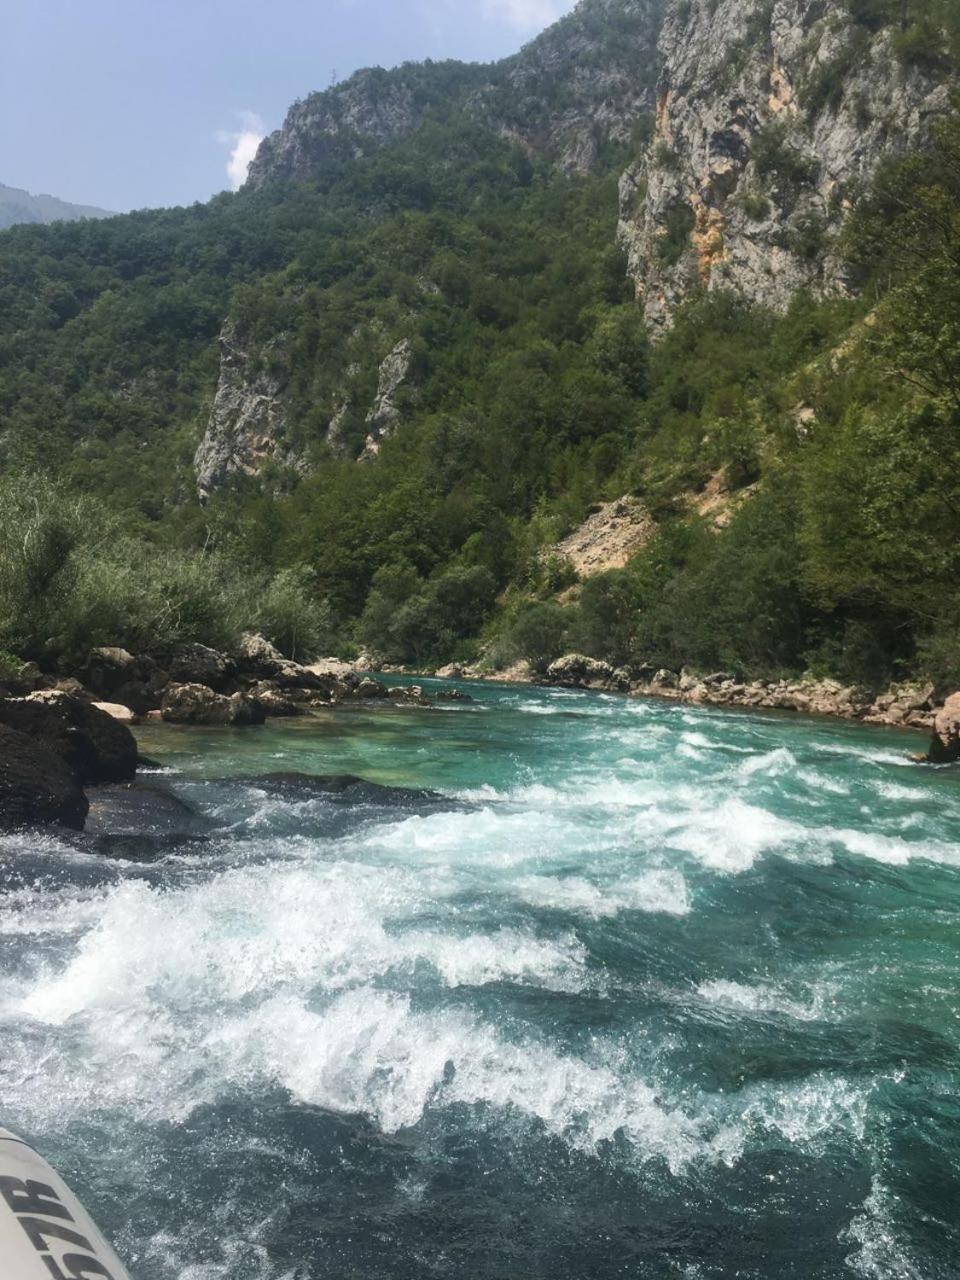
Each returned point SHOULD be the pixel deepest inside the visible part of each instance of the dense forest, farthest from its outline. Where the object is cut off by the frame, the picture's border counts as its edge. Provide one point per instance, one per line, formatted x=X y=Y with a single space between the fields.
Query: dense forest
x=534 y=392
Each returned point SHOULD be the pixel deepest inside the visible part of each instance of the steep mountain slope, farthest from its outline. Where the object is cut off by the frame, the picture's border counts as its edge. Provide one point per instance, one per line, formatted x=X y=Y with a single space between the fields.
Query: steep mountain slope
x=407 y=360
x=771 y=118
x=582 y=85
x=18 y=206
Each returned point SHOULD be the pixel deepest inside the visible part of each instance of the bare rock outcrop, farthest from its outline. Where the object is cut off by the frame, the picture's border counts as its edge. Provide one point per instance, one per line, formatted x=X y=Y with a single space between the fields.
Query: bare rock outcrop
x=95 y=747
x=248 y=423
x=384 y=416
x=567 y=96
x=609 y=538
x=769 y=117
x=195 y=704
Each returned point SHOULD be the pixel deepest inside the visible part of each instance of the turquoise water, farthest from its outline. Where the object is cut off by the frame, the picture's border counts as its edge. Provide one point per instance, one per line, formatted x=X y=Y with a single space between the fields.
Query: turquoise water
x=643 y=991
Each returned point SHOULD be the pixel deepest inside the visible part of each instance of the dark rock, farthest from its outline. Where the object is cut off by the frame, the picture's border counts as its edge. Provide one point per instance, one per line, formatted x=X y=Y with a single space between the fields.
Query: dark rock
x=412 y=694
x=577 y=671
x=275 y=701
x=140 y=822
x=454 y=695
x=196 y=704
x=345 y=788
x=108 y=669
x=95 y=747
x=23 y=680
x=370 y=690
x=36 y=786
x=196 y=664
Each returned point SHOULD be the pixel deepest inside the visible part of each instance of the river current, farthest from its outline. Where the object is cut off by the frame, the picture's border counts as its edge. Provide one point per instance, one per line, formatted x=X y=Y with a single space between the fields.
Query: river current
x=587 y=987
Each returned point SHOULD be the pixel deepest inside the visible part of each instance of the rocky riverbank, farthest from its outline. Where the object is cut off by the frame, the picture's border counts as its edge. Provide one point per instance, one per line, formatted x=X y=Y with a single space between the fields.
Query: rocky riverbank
x=60 y=735
x=902 y=706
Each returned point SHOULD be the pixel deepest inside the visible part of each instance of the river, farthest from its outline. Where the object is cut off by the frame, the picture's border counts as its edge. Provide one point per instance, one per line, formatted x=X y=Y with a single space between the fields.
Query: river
x=593 y=988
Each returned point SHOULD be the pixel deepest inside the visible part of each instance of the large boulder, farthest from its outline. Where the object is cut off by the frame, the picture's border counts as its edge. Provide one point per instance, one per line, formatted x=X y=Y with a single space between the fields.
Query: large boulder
x=115 y=676
x=37 y=787
x=107 y=670
x=576 y=671
x=196 y=704
x=945 y=747
x=259 y=660
x=257 y=655
x=196 y=664
x=275 y=701
x=94 y=746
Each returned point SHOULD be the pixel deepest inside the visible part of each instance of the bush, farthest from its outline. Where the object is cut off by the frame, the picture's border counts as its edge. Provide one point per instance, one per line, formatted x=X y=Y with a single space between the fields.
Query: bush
x=292 y=617
x=538 y=635
x=72 y=579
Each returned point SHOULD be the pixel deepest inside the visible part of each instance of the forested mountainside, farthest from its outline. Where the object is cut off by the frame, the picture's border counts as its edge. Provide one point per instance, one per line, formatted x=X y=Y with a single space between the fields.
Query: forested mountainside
x=18 y=206
x=705 y=254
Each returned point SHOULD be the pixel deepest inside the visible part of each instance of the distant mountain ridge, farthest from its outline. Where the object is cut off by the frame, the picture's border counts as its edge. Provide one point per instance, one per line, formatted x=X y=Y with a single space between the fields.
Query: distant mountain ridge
x=17 y=206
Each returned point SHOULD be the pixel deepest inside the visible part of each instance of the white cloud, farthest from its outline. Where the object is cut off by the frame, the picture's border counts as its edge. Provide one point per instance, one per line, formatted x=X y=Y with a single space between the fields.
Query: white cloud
x=243 y=144
x=527 y=15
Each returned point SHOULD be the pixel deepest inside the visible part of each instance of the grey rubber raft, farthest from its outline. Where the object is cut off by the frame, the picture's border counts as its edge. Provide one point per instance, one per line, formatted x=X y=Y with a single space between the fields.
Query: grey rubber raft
x=45 y=1232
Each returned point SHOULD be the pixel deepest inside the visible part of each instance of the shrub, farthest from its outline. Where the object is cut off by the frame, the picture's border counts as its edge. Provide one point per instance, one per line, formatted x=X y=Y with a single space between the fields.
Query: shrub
x=538 y=634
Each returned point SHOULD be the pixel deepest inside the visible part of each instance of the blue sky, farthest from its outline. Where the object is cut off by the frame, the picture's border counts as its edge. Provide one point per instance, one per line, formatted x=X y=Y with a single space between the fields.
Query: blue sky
x=139 y=103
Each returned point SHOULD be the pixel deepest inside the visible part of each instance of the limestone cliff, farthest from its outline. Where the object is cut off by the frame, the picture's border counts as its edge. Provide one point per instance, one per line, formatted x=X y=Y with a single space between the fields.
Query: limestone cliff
x=582 y=85
x=384 y=416
x=247 y=425
x=771 y=114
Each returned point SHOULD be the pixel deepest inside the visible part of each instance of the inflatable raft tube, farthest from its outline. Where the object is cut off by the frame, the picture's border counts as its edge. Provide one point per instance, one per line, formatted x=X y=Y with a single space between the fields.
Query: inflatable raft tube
x=45 y=1232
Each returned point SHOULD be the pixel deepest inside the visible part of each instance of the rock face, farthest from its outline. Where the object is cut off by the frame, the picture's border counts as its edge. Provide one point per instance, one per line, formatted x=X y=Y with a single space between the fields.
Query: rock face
x=383 y=418
x=94 y=747
x=248 y=423
x=371 y=108
x=769 y=115
x=945 y=748
x=581 y=86
x=610 y=537
x=567 y=95
x=36 y=786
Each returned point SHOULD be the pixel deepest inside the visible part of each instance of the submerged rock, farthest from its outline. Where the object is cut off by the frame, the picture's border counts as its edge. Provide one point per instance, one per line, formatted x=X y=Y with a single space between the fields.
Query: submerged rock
x=140 y=822
x=343 y=787
x=37 y=786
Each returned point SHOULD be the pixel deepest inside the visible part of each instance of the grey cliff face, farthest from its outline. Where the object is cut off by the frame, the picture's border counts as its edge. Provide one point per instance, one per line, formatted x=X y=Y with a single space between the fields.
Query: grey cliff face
x=384 y=416
x=770 y=115
x=602 y=59
x=247 y=426
x=580 y=86
x=368 y=110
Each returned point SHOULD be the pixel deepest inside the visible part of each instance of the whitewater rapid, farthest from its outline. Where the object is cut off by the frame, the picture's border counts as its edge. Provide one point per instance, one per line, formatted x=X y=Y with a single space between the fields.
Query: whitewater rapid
x=625 y=957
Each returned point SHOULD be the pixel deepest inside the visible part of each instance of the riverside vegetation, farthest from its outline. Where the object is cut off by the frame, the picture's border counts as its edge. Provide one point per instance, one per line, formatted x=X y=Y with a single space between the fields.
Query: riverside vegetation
x=532 y=391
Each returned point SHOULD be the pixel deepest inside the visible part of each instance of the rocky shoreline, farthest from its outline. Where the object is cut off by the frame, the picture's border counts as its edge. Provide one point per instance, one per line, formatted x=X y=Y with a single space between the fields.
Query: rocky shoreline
x=61 y=735
x=912 y=706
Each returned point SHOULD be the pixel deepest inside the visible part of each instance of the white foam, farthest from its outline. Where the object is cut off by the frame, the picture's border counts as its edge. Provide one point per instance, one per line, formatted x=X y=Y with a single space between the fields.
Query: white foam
x=894 y=851
x=877 y=1252
x=772 y=764
x=731 y=836
x=658 y=891
x=766 y=999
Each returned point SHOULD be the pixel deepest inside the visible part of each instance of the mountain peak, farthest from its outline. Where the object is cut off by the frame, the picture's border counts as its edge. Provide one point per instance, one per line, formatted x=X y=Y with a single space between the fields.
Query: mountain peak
x=17 y=206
